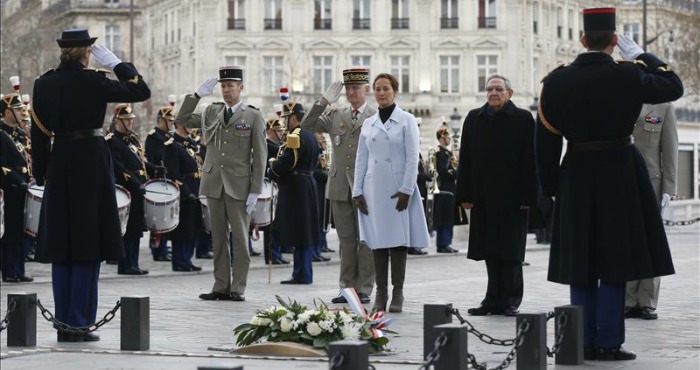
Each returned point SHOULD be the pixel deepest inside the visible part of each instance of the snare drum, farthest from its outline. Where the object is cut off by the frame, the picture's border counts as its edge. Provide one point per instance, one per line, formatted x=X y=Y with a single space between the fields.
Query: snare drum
x=162 y=205
x=123 y=205
x=206 y=217
x=262 y=214
x=32 y=208
x=2 y=213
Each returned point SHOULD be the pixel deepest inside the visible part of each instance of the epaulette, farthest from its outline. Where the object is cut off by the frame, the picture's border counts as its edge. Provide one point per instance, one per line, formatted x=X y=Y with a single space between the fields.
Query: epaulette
x=169 y=141
x=50 y=71
x=293 y=140
x=560 y=66
x=217 y=103
x=101 y=70
x=108 y=136
x=254 y=107
x=296 y=130
x=153 y=131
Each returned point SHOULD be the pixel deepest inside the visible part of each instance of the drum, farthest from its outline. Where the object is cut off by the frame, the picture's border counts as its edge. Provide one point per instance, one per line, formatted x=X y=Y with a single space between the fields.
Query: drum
x=262 y=214
x=32 y=208
x=206 y=217
x=123 y=205
x=2 y=213
x=162 y=205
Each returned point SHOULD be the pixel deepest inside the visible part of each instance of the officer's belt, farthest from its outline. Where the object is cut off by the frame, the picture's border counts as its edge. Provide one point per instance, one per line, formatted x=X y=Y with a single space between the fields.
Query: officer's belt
x=77 y=135
x=597 y=146
x=194 y=175
x=303 y=173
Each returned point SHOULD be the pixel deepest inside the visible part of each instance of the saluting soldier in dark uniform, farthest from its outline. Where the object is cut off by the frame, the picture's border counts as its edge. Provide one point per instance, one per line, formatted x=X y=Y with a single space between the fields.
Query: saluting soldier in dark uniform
x=297 y=202
x=79 y=225
x=154 y=145
x=446 y=213
x=15 y=179
x=607 y=226
x=180 y=157
x=130 y=171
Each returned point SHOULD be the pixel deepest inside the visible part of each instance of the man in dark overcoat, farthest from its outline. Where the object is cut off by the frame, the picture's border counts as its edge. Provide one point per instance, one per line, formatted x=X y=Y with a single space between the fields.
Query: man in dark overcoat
x=607 y=226
x=447 y=213
x=297 y=202
x=497 y=181
x=79 y=224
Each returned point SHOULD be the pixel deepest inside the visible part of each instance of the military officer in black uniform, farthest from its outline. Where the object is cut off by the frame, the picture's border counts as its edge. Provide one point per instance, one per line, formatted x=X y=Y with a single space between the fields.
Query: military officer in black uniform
x=180 y=157
x=154 y=145
x=607 y=226
x=446 y=213
x=321 y=177
x=79 y=225
x=130 y=171
x=271 y=249
x=15 y=179
x=297 y=202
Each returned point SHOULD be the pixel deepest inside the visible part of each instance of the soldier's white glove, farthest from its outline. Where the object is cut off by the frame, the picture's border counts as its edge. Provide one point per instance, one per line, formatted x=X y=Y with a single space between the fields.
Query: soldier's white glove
x=104 y=56
x=333 y=92
x=629 y=50
x=206 y=88
x=665 y=198
x=250 y=202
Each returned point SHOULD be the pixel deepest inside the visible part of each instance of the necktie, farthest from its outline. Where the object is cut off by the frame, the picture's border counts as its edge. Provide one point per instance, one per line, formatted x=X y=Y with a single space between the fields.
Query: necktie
x=228 y=114
x=355 y=113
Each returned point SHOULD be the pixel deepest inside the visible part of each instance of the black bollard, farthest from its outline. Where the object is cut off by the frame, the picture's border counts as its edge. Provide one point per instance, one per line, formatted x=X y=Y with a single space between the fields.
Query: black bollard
x=21 y=328
x=532 y=354
x=571 y=348
x=135 y=324
x=434 y=314
x=454 y=355
x=355 y=354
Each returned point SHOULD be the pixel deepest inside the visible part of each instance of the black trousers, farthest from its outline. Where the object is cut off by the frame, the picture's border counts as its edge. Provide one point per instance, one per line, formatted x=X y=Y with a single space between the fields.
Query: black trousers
x=505 y=286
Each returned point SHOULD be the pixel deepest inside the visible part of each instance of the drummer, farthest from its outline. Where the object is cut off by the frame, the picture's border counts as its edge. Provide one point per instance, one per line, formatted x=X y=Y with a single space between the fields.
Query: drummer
x=14 y=180
x=180 y=158
x=130 y=172
x=275 y=134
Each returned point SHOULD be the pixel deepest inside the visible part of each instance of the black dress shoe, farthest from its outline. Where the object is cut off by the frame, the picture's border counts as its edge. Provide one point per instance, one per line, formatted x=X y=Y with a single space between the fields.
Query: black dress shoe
x=339 y=299
x=417 y=251
x=648 y=313
x=447 y=249
x=63 y=336
x=91 y=337
x=320 y=259
x=162 y=258
x=132 y=271
x=254 y=253
x=215 y=296
x=293 y=282
x=614 y=354
x=207 y=256
x=633 y=312
x=12 y=279
x=237 y=297
x=364 y=298
x=182 y=268
x=483 y=311
x=589 y=353
x=112 y=262
x=195 y=268
x=279 y=262
x=510 y=311
x=327 y=250
x=25 y=279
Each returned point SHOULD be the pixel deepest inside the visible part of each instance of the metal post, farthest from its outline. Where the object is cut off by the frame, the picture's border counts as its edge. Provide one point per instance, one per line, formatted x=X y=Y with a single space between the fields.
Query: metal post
x=135 y=324
x=644 y=25
x=454 y=355
x=354 y=355
x=532 y=354
x=434 y=314
x=21 y=328
x=571 y=347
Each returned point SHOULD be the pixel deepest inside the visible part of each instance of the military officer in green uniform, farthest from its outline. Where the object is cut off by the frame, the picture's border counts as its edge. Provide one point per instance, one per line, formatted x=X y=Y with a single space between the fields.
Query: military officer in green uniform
x=232 y=174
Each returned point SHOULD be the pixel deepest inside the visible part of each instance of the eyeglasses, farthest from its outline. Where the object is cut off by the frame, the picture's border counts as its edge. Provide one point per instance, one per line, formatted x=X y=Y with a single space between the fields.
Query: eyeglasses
x=496 y=89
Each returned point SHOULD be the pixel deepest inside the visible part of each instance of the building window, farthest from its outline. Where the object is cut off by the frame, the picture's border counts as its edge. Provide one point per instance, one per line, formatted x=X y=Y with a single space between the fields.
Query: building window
x=486 y=65
x=487 y=14
x=570 y=24
x=112 y=3
x=112 y=39
x=236 y=14
x=633 y=30
x=560 y=22
x=273 y=74
x=361 y=61
x=361 y=18
x=322 y=17
x=273 y=15
x=323 y=73
x=236 y=60
x=165 y=28
x=535 y=18
x=685 y=172
x=399 y=14
x=449 y=17
x=400 y=69
x=449 y=74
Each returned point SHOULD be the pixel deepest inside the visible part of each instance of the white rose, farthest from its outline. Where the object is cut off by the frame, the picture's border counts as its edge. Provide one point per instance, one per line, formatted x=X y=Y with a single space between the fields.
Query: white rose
x=265 y=321
x=286 y=325
x=304 y=317
x=313 y=329
x=255 y=320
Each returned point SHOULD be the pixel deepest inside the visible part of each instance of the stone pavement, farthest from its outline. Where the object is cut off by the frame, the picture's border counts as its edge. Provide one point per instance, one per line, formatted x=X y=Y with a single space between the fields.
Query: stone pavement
x=187 y=333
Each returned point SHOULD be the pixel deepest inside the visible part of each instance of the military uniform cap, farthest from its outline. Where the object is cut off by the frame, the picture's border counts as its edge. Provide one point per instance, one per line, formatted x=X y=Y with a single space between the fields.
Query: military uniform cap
x=292 y=107
x=10 y=101
x=123 y=111
x=442 y=132
x=356 y=76
x=275 y=125
x=233 y=73
x=598 y=19
x=75 y=38
x=166 y=113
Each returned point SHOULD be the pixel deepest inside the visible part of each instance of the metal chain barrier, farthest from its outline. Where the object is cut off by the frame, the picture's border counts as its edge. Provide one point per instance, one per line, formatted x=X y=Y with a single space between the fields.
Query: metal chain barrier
x=434 y=355
x=517 y=342
x=561 y=322
x=6 y=321
x=482 y=336
x=681 y=223
x=71 y=330
x=336 y=361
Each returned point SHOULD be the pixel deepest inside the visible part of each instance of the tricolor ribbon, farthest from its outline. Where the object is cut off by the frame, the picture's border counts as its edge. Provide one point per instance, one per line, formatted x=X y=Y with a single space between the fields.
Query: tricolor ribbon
x=379 y=322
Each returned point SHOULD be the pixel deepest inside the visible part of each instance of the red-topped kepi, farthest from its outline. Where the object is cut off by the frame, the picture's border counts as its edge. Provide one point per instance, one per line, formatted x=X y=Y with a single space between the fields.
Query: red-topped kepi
x=598 y=19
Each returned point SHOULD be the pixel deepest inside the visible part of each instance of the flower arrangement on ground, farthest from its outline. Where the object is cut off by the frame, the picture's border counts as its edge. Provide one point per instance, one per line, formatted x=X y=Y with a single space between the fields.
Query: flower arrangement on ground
x=317 y=327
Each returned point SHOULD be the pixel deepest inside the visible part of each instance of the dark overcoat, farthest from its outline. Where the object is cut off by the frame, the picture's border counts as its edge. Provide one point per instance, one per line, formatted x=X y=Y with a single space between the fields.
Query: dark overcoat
x=180 y=158
x=13 y=181
x=296 y=217
x=79 y=219
x=130 y=172
x=497 y=175
x=155 y=145
x=607 y=223
x=447 y=211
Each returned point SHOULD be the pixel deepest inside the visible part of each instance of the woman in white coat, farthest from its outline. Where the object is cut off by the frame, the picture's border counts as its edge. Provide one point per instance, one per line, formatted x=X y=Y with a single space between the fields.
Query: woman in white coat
x=391 y=213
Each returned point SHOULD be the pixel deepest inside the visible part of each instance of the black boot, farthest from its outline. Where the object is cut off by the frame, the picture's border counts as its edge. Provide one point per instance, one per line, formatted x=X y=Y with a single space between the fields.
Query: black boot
x=381 y=267
x=398 y=275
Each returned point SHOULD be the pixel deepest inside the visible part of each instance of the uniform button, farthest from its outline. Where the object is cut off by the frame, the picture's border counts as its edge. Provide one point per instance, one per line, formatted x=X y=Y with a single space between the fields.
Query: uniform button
x=226 y=131
x=388 y=159
x=225 y=142
x=348 y=157
x=222 y=166
x=374 y=139
x=349 y=145
x=222 y=154
x=347 y=167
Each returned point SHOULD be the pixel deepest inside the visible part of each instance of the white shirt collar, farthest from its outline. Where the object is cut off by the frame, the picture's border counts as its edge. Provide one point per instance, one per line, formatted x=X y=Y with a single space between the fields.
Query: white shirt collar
x=235 y=106
x=361 y=109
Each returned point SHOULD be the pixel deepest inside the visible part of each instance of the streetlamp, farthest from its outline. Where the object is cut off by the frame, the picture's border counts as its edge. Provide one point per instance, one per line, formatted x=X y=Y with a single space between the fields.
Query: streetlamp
x=455 y=122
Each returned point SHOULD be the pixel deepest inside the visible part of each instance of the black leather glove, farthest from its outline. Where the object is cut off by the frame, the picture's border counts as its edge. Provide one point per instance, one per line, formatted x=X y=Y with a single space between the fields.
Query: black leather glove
x=39 y=181
x=402 y=203
x=23 y=186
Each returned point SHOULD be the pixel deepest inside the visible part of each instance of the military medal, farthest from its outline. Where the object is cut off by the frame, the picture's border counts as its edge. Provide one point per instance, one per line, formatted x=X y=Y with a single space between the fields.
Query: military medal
x=336 y=140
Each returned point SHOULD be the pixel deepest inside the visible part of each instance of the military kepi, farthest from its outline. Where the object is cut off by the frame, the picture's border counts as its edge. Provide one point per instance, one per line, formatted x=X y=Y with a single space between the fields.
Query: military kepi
x=123 y=111
x=598 y=19
x=291 y=107
x=356 y=76
x=166 y=113
x=234 y=73
x=75 y=38
x=10 y=101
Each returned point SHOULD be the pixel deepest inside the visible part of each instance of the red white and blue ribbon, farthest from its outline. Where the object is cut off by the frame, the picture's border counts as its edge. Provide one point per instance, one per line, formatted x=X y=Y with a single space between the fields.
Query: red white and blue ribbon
x=284 y=93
